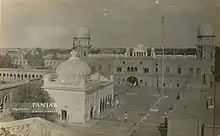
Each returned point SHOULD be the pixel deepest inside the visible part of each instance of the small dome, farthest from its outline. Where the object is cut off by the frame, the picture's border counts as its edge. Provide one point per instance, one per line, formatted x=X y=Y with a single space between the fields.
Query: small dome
x=84 y=32
x=73 y=67
x=152 y=49
x=140 y=45
x=205 y=30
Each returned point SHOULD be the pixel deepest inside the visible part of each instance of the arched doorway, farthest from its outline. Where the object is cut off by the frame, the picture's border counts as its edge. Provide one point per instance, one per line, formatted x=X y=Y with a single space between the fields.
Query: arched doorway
x=132 y=80
x=91 y=112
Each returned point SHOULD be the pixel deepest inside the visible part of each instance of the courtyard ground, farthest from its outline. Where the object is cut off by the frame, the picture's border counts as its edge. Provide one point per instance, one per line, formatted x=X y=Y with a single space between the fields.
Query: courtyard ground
x=138 y=102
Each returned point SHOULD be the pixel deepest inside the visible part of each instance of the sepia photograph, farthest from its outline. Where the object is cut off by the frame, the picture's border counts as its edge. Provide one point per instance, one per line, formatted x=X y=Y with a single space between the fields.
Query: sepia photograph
x=109 y=67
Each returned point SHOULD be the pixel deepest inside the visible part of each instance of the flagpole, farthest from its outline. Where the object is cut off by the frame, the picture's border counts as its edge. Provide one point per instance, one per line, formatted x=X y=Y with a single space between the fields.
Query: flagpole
x=214 y=97
x=162 y=62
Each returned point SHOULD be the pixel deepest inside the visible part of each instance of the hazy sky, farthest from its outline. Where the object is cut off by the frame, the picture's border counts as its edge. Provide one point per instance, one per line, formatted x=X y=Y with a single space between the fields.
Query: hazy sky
x=53 y=23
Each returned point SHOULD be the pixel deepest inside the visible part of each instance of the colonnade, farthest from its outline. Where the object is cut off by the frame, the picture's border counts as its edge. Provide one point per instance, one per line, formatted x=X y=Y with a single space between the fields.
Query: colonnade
x=106 y=103
x=18 y=76
x=142 y=54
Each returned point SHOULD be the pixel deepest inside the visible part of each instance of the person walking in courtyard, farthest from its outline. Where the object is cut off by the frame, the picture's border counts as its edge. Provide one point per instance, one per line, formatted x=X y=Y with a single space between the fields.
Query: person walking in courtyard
x=178 y=97
x=171 y=107
x=126 y=116
x=117 y=103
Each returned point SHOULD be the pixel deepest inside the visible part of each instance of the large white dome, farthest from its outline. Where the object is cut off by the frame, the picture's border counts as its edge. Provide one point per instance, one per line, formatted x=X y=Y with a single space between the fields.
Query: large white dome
x=73 y=67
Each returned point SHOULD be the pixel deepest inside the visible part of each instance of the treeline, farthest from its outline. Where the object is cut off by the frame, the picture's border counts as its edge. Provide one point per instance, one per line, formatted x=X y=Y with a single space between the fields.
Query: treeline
x=6 y=62
x=54 y=51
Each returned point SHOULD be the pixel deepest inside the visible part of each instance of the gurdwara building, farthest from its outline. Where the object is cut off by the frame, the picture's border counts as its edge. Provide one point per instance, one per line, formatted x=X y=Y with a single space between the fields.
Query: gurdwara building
x=172 y=68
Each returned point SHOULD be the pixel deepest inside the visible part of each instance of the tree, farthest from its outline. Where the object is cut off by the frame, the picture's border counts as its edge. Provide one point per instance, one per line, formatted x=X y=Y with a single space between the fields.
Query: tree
x=39 y=50
x=34 y=94
x=5 y=61
x=6 y=132
x=34 y=61
x=54 y=57
x=94 y=51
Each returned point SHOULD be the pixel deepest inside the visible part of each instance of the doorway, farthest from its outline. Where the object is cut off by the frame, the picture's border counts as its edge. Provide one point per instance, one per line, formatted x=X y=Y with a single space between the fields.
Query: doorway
x=63 y=115
x=91 y=112
x=132 y=81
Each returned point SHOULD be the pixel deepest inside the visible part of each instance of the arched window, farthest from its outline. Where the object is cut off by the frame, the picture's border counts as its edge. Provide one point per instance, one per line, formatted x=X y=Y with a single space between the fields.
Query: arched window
x=128 y=69
x=178 y=84
x=145 y=83
x=33 y=76
x=6 y=98
x=141 y=81
x=135 y=69
x=132 y=69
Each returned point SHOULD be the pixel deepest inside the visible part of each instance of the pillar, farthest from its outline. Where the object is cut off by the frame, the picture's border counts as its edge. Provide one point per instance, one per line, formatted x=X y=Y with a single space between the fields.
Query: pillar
x=22 y=77
x=1 y=75
x=15 y=77
x=103 y=104
x=8 y=77
x=100 y=105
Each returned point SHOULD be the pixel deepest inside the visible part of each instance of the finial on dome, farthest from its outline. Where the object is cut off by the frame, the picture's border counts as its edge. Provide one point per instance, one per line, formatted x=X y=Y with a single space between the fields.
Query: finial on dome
x=84 y=31
x=73 y=55
x=205 y=30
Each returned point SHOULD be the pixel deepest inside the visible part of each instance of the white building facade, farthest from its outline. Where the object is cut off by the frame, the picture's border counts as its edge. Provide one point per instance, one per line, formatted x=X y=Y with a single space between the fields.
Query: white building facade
x=79 y=94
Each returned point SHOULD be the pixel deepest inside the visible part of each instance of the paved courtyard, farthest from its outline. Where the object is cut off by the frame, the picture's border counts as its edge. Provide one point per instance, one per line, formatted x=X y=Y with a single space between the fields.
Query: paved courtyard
x=135 y=101
x=138 y=102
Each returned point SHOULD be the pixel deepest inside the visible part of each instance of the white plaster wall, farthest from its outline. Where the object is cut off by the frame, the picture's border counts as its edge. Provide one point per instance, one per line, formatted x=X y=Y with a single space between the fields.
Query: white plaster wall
x=108 y=90
x=93 y=98
x=71 y=101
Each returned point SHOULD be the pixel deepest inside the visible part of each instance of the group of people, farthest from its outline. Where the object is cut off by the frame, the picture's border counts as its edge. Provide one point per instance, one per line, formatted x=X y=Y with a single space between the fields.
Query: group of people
x=117 y=117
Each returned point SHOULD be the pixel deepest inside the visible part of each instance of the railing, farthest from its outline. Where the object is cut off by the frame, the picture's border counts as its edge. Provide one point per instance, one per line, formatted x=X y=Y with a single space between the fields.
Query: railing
x=27 y=70
x=107 y=55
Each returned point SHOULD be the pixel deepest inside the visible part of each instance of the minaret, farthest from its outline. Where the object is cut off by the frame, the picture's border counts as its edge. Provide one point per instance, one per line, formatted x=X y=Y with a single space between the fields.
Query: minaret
x=206 y=49
x=206 y=43
x=81 y=43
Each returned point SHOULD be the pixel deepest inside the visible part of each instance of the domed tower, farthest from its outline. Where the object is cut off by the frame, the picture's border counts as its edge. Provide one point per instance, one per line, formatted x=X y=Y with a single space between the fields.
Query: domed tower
x=82 y=42
x=206 y=43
